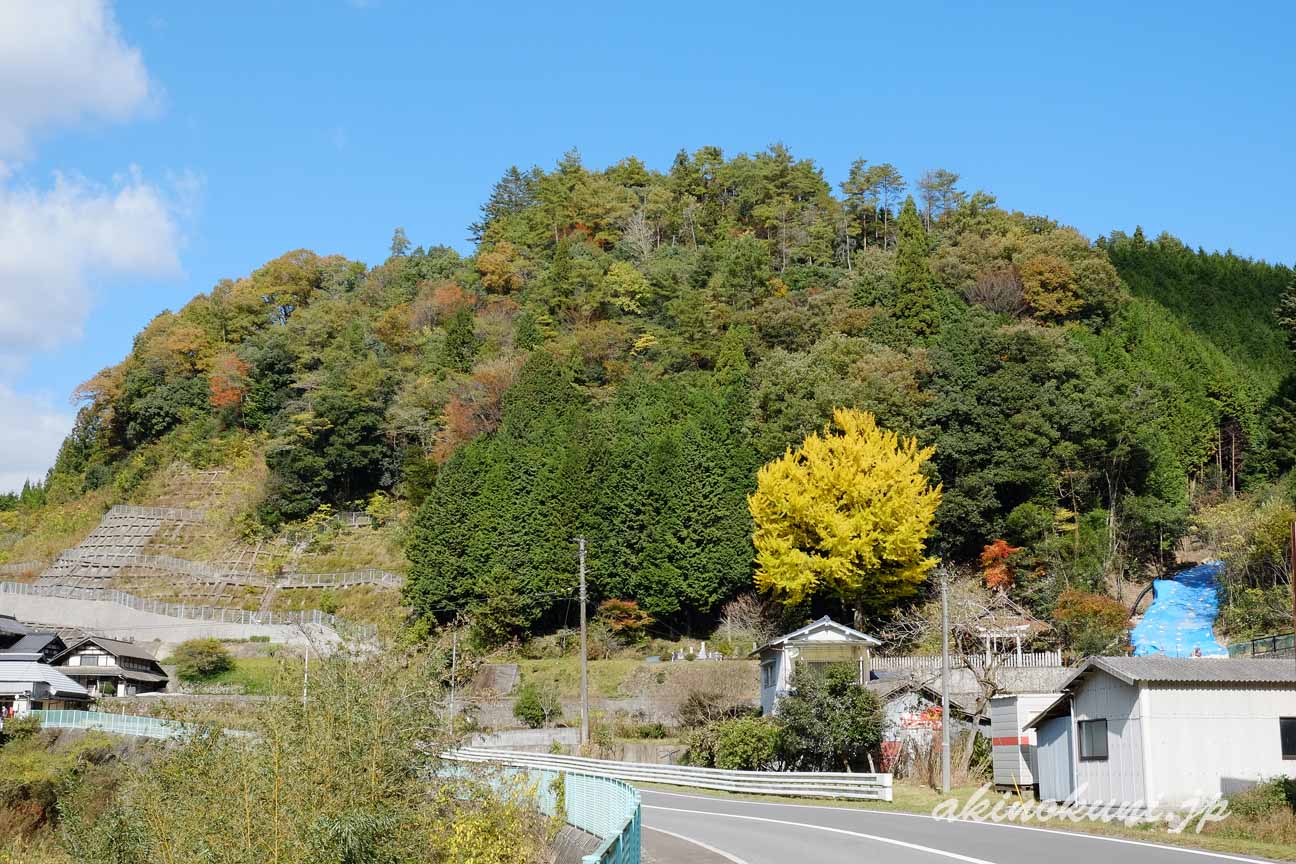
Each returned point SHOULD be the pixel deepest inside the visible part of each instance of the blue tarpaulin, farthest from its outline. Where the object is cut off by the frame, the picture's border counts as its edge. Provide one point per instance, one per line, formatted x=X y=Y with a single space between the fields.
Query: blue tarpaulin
x=1182 y=615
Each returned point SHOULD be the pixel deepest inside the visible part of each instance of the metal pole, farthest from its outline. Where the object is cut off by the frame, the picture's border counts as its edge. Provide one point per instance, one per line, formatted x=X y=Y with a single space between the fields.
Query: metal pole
x=584 y=649
x=454 y=665
x=945 y=678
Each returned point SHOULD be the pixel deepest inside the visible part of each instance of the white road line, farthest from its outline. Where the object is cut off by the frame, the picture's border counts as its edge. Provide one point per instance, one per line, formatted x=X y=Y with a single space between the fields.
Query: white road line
x=708 y=847
x=1223 y=856
x=954 y=856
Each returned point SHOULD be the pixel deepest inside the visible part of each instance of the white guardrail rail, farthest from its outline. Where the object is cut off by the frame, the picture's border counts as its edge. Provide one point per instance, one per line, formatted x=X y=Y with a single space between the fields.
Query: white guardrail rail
x=869 y=787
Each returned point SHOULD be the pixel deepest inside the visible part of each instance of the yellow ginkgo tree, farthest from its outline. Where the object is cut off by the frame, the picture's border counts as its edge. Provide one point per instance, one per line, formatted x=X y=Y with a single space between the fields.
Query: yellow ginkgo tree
x=847 y=513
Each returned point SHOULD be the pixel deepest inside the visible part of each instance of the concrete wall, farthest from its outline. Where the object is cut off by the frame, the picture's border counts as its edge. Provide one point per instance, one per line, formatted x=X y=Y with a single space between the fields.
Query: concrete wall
x=1212 y=739
x=498 y=713
x=121 y=622
x=1033 y=680
x=529 y=740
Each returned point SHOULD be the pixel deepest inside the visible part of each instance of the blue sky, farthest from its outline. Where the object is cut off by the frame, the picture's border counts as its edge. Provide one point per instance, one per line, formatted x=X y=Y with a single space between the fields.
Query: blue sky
x=194 y=145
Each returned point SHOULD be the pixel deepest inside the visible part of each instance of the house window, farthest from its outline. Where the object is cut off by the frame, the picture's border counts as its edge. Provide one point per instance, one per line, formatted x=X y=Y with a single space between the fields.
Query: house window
x=1093 y=740
x=1287 y=732
x=767 y=675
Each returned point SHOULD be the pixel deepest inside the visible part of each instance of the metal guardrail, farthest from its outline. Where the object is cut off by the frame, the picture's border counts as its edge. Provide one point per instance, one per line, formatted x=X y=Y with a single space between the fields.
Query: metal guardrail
x=1264 y=646
x=868 y=787
x=189 y=612
x=599 y=805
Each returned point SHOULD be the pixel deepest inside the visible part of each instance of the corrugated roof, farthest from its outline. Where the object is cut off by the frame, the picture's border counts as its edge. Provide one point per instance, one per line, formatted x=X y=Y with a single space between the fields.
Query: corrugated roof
x=885 y=688
x=33 y=643
x=114 y=672
x=1155 y=668
x=40 y=673
x=9 y=624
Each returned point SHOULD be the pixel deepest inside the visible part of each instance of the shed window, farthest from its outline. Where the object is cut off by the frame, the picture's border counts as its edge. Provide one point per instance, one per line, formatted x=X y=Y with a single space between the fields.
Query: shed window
x=1093 y=739
x=767 y=674
x=1287 y=731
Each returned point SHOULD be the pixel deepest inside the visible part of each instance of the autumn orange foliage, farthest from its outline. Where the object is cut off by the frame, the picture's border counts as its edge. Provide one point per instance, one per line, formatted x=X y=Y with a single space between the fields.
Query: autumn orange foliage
x=475 y=407
x=228 y=382
x=995 y=568
x=624 y=617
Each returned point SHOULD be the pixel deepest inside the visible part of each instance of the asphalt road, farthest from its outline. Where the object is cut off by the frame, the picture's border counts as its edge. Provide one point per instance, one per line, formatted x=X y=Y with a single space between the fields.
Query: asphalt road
x=707 y=829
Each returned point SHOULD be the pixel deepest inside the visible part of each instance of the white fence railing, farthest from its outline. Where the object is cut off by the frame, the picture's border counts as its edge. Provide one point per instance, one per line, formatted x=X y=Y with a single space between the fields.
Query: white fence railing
x=120 y=724
x=209 y=573
x=873 y=787
x=932 y=662
x=165 y=514
x=189 y=612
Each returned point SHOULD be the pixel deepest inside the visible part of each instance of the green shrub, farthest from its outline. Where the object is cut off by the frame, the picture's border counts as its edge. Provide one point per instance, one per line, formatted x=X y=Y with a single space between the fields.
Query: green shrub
x=829 y=722
x=747 y=744
x=20 y=728
x=652 y=731
x=738 y=744
x=1267 y=798
x=201 y=659
x=535 y=705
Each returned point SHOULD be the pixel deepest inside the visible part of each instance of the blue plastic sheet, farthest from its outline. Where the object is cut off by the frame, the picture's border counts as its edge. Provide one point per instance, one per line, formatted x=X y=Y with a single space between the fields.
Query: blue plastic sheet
x=1181 y=618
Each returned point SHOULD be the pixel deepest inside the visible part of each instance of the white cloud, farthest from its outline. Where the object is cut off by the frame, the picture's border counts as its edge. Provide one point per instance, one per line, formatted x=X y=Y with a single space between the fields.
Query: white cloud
x=54 y=241
x=31 y=430
x=62 y=61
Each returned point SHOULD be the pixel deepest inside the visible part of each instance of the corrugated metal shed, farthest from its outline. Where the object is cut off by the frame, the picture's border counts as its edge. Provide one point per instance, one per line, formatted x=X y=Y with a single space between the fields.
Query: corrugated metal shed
x=1132 y=670
x=1013 y=745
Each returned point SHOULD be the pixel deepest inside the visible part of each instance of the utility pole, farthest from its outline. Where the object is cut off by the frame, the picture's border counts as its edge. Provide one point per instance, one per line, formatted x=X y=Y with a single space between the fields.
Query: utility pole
x=454 y=669
x=945 y=683
x=584 y=658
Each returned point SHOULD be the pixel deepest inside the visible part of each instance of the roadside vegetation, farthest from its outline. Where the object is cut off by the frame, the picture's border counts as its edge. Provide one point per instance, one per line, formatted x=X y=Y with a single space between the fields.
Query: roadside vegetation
x=343 y=775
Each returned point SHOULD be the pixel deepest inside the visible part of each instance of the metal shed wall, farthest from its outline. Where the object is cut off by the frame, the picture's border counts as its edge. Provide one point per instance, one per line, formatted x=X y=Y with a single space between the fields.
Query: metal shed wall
x=1055 y=759
x=1119 y=777
x=1013 y=752
x=1210 y=739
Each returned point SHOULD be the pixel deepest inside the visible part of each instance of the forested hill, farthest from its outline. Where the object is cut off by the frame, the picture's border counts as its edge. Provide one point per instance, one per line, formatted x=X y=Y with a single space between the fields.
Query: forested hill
x=627 y=346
